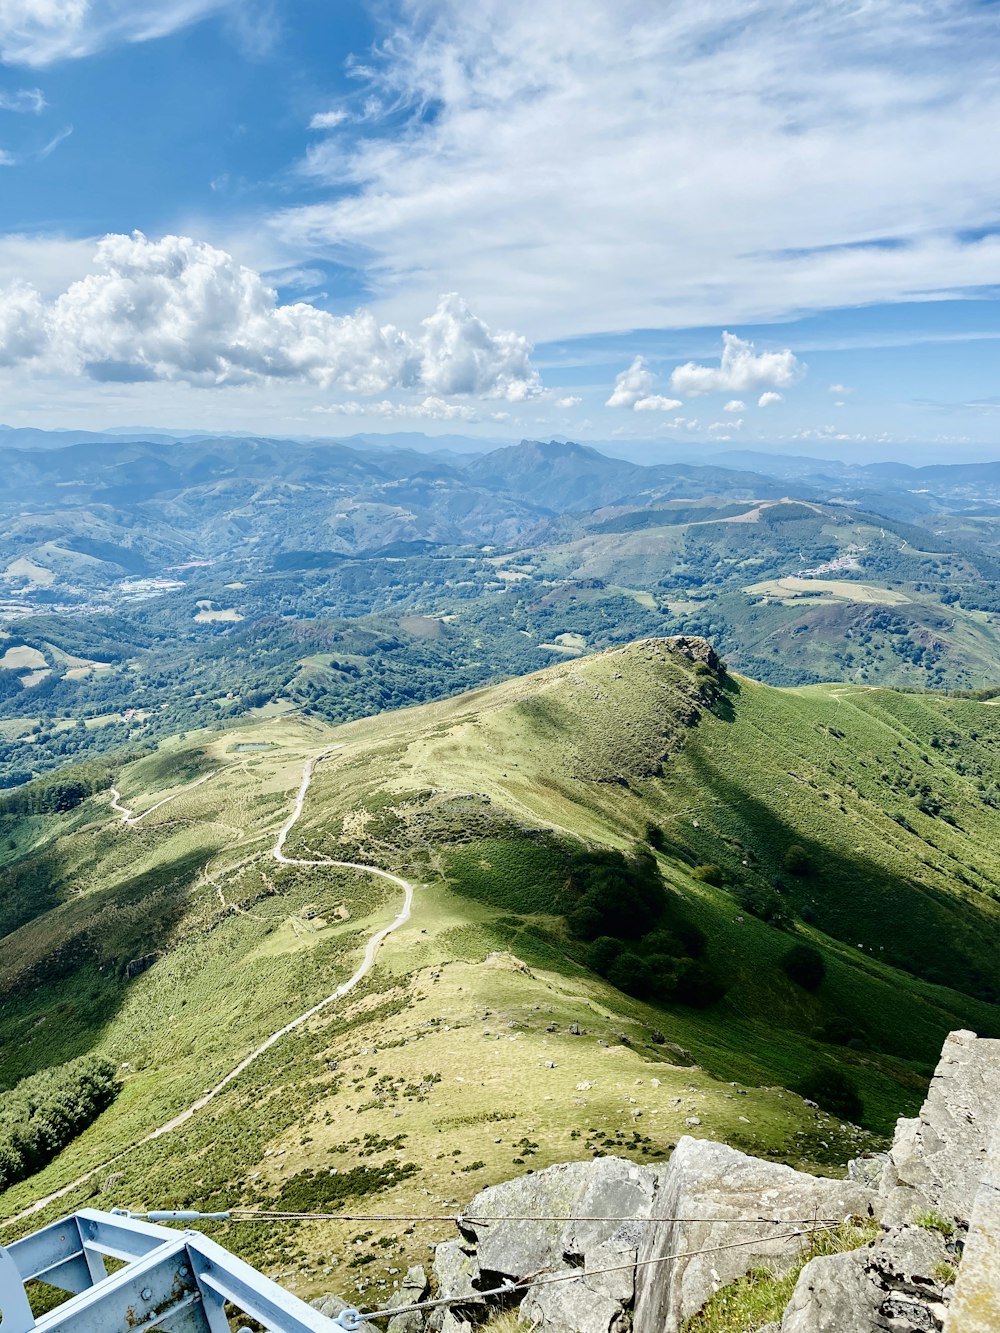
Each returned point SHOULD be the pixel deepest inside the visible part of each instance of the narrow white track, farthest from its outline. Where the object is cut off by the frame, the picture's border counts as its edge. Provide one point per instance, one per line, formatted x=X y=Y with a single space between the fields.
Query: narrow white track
x=365 y=966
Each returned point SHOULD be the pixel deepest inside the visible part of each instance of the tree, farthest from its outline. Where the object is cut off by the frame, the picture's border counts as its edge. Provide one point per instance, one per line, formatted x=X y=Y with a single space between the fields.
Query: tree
x=796 y=860
x=834 y=1090
x=804 y=965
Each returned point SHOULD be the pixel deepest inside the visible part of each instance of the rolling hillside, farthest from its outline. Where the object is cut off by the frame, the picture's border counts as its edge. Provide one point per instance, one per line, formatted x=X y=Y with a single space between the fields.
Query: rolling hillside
x=149 y=586
x=665 y=892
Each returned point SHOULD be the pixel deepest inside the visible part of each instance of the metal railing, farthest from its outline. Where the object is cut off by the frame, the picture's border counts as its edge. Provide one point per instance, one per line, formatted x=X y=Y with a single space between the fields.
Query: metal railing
x=173 y=1281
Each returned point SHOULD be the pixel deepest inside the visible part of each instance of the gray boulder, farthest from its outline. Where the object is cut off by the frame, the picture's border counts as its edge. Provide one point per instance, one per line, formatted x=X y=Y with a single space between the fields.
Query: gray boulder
x=605 y=1188
x=976 y=1304
x=714 y=1189
x=572 y=1307
x=332 y=1306
x=833 y=1295
x=412 y=1289
x=456 y=1269
x=941 y=1154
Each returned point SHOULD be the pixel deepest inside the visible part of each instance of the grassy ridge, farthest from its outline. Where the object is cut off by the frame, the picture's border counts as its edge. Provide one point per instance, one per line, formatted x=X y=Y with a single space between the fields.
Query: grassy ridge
x=488 y=802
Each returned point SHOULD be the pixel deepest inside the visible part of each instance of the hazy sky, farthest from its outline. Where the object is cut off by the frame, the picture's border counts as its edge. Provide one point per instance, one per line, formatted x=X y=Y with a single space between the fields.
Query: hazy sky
x=743 y=223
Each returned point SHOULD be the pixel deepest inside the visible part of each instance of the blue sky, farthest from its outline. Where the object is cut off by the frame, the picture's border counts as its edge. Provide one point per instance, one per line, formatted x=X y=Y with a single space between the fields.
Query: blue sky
x=507 y=218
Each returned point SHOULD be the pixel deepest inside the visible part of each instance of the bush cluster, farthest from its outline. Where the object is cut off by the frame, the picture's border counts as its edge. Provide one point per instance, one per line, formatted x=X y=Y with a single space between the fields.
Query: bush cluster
x=45 y=1112
x=637 y=939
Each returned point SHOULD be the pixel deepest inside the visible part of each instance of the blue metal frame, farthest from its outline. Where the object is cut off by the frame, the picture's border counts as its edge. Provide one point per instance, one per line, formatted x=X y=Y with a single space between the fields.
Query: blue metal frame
x=171 y=1281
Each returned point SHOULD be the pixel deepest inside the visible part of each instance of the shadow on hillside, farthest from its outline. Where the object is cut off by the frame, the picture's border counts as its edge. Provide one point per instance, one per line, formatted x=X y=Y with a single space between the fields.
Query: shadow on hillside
x=948 y=939
x=724 y=705
x=63 y=975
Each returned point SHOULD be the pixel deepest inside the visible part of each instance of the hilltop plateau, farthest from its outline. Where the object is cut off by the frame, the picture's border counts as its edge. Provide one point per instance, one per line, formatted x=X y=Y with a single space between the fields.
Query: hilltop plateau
x=649 y=894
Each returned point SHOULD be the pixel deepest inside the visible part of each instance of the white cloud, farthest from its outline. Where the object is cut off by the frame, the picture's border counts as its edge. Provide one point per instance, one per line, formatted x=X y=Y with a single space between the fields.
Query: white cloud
x=181 y=310
x=726 y=425
x=459 y=354
x=570 y=401
x=49 y=148
x=22 y=332
x=25 y=101
x=7 y=159
x=632 y=384
x=807 y=136
x=39 y=32
x=328 y=120
x=655 y=402
x=770 y=398
x=739 y=368
x=839 y=388
x=735 y=405
x=432 y=409
x=633 y=388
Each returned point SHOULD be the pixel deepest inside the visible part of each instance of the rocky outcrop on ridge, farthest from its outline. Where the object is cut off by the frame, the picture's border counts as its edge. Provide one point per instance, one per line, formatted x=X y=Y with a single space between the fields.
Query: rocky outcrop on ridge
x=724 y=1213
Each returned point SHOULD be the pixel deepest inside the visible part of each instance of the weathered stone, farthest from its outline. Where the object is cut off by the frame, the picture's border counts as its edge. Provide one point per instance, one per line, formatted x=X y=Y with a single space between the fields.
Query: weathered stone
x=976 y=1304
x=410 y=1322
x=942 y=1153
x=716 y=1189
x=456 y=1269
x=617 y=1255
x=412 y=1289
x=571 y=1307
x=136 y=966
x=868 y=1170
x=905 y=1259
x=332 y=1306
x=833 y=1295
x=605 y=1188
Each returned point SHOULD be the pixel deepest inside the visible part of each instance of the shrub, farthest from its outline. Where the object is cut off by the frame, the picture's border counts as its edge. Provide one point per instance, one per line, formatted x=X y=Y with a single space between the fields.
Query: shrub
x=796 y=860
x=697 y=985
x=710 y=874
x=804 y=965
x=616 y=895
x=632 y=974
x=834 y=1090
x=655 y=837
x=840 y=1031
x=603 y=953
x=766 y=905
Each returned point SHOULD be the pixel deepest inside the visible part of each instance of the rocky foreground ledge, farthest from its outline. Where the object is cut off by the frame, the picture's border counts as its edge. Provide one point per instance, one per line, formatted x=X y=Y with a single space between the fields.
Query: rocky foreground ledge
x=931 y=1205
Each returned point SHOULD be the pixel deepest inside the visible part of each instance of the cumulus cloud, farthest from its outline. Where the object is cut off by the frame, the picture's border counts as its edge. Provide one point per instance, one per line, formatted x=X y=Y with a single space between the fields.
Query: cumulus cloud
x=770 y=398
x=632 y=384
x=735 y=405
x=25 y=101
x=459 y=354
x=655 y=402
x=22 y=331
x=839 y=389
x=178 y=309
x=634 y=389
x=570 y=401
x=739 y=368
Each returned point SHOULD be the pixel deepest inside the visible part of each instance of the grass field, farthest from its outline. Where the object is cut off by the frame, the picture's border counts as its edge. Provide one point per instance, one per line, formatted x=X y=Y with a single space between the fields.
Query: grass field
x=844 y=589
x=457 y=1062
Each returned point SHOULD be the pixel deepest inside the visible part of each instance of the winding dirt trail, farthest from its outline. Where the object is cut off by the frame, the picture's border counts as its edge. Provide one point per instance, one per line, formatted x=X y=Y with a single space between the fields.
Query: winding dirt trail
x=130 y=818
x=364 y=967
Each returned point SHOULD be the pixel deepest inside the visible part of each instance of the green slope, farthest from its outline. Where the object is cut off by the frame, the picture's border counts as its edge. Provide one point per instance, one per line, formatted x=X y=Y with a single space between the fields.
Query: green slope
x=857 y=822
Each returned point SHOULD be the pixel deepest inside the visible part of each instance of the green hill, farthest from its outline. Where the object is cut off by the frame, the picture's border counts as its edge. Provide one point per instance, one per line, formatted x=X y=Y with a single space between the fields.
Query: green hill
x=648 y=893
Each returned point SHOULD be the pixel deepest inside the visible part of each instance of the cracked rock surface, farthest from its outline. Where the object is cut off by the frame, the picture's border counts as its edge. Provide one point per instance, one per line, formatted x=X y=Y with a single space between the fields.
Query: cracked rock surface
x=711 y=1214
